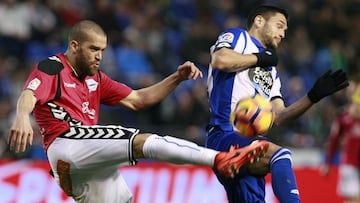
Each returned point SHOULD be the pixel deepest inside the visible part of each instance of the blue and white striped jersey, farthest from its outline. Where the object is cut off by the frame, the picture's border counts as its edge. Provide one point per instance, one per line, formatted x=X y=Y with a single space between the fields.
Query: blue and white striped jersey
x=226 y=88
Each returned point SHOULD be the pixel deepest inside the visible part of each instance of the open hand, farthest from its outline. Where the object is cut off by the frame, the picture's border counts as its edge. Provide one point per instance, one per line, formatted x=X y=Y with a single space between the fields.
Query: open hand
x=329 y=83
x=20 y=135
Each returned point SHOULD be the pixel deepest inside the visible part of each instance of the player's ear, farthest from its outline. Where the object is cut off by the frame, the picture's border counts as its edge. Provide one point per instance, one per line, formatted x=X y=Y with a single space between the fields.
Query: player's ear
x=259 y=21
x=74 y=46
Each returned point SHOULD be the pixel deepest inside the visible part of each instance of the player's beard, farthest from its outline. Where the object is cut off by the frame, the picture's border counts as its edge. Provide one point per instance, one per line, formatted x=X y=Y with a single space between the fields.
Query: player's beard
x=84 y=65
x=268 y=39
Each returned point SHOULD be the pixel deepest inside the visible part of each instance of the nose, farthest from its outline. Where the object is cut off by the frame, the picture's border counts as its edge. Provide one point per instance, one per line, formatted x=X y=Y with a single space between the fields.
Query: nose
x=282 y=34
x=98 y=55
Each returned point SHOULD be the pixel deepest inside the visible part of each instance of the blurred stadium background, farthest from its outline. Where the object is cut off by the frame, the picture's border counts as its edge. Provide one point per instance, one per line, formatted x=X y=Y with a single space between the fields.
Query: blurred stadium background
x=148 y=39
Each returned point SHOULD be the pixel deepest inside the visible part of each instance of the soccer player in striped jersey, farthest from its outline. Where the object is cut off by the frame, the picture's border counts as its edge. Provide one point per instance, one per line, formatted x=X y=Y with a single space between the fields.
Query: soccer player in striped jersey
x=243 y=64
x=65 y=91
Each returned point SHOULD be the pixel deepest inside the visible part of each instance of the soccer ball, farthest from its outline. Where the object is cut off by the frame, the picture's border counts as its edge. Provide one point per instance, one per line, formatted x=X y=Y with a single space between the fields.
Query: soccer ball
x=252 y=116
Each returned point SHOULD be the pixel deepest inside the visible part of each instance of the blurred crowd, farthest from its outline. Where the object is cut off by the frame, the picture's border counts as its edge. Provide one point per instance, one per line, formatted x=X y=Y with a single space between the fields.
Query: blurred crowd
x=148 y=39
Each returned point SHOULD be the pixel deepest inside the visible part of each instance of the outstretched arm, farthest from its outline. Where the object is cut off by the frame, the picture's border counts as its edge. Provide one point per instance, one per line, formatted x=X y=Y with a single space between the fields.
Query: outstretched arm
x=326 y=85
x=284 y=114
x=148 y=96
x=21 y=132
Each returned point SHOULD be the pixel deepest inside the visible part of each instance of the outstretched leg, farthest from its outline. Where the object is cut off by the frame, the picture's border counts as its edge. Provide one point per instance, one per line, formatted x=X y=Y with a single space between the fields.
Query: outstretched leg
x=179 y=151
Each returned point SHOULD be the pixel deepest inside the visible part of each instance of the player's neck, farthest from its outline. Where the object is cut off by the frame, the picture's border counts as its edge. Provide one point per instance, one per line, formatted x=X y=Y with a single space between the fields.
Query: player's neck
x=255 y=34
x=71 y=66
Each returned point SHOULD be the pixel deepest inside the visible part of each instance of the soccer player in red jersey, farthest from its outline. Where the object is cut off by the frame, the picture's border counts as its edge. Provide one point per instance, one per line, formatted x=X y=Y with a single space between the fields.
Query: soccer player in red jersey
x=65 y=91
x=345 y=137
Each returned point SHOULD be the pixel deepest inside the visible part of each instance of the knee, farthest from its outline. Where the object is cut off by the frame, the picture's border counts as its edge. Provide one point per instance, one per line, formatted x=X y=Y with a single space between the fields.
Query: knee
x=262 y=166
x=138 y=144
x=259 y=168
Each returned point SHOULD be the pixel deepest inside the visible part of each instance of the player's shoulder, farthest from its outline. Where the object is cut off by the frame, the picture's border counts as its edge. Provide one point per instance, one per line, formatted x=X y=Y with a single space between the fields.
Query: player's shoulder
x=231 y=34
x=51 y=65
x=235 y=31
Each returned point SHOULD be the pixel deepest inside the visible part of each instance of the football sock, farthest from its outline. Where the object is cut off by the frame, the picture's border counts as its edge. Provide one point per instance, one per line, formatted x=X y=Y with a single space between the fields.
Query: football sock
x=178 y=151
x=283 y=177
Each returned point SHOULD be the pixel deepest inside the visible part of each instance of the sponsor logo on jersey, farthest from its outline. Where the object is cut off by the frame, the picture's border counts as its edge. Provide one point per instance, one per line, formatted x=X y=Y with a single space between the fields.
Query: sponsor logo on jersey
x=70 y=85
x=261 y=79
x=85 y=109
x=34 y=84
x=226 y=37
x=91 y=84
x=224 y=40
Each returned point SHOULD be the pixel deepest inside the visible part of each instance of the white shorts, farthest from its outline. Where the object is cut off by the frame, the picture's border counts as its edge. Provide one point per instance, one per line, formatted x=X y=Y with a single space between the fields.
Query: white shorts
x=85 y=162
x=349 y=185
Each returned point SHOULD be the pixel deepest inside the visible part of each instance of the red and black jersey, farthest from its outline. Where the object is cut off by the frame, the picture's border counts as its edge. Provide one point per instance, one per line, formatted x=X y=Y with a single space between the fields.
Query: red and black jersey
x=64 y=100
x=345 y=135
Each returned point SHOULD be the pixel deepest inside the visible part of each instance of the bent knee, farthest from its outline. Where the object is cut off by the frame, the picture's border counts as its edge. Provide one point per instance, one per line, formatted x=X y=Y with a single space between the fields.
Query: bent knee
x=259 y=168
x=138 y=144
x=262 y=166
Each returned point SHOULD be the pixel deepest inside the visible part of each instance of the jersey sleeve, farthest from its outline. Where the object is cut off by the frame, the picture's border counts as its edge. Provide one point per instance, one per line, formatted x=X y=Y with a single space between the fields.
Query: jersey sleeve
x=112 y=91
x=276 y=88
x=230 y=38
x=43 y=81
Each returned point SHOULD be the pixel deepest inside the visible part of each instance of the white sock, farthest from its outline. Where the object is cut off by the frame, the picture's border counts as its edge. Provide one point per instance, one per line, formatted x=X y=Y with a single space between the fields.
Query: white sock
x=177 y=151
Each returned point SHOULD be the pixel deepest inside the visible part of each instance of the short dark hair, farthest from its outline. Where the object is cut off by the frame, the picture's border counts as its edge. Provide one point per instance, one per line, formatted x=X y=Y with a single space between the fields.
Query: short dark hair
x=80 y=31
x=265 y=11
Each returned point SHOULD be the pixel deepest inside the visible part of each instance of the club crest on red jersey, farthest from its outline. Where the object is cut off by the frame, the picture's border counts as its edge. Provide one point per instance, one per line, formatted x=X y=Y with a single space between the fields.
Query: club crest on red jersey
x=91 y=84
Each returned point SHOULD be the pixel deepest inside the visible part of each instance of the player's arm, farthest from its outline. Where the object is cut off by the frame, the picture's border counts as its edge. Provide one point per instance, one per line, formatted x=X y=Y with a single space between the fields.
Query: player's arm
x=21 y=132
x=228 y=60
x=284 y=114
x=327 y=84
x=142 y=98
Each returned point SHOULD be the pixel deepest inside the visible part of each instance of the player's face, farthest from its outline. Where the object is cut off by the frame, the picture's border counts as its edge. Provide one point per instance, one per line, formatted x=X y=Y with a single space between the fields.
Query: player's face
x=274 y=30
x=90 y=53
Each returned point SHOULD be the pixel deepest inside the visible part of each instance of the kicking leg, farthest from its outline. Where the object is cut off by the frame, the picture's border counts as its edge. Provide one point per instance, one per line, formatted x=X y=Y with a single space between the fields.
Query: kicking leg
x=179 y=151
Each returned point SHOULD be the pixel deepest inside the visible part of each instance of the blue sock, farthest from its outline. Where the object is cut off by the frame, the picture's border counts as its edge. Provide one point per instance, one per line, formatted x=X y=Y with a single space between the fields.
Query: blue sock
x=283 y=178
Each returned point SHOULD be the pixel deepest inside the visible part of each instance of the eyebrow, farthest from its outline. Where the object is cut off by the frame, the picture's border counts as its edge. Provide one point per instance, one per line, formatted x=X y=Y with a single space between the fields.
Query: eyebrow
x=283 y=23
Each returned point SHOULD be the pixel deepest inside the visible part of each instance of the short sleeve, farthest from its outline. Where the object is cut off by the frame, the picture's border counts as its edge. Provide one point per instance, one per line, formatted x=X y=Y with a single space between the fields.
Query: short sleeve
x=276 y=88
x=230 y=39
x=112 y=91
x=42 y=84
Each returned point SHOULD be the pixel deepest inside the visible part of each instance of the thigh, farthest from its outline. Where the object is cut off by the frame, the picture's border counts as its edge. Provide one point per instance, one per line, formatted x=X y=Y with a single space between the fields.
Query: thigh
x=220 y=140
x=91 y=153
x=112 y=189
x=95 y=146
